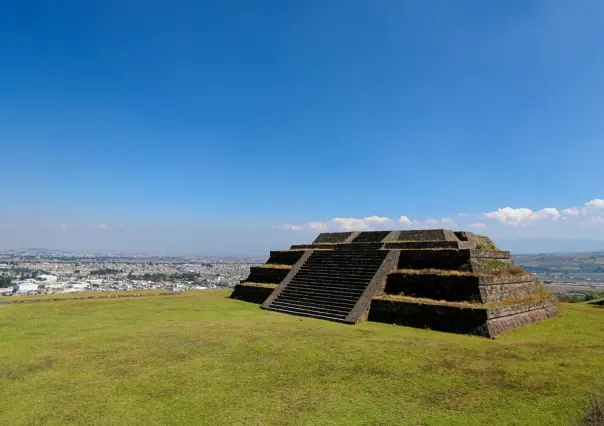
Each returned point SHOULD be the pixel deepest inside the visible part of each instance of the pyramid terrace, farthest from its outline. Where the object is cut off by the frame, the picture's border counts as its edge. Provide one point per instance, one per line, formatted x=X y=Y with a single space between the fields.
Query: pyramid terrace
x=437 y=279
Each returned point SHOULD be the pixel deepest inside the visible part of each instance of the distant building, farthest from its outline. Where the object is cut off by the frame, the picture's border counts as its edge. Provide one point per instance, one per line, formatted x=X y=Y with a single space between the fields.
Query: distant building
x=25 y=286
x=78 y=285
x=47 y=278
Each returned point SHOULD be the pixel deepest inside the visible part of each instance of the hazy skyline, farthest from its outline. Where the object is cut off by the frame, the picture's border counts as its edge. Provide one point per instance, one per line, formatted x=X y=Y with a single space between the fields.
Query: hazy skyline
x=229 y=126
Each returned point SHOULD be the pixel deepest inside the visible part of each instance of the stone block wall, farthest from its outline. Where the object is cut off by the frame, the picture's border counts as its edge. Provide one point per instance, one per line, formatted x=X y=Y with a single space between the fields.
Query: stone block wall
x=435 y=259
x=260 y=274
x=459 y=288
x=371 y=237
x=285 y=257
x=435 y=317
x=250 y=293
x=422 y=235
x=332 y=237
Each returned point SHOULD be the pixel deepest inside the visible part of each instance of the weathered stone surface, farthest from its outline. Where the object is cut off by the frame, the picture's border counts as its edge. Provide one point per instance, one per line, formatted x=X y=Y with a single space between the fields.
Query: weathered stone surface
x=422 y=235
x=251 y=293
x=261 y=274
x=371 y=237
x=431 y=316
x=482 y=321
x=452 y=288
x=284 y=257
x=520 y=315
x=427 y=245
x=511 y=291
x=435 y=259
x=332 y=237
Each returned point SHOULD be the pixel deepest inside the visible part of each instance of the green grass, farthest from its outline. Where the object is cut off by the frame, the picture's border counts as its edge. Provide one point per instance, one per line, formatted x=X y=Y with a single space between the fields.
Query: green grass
x=82 y=295
x=275 y=266
x=253 y=284
x=201 y=358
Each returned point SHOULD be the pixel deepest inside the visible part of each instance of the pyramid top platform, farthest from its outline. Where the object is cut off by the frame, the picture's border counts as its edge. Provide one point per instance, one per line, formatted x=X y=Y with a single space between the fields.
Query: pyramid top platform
x=404 y=239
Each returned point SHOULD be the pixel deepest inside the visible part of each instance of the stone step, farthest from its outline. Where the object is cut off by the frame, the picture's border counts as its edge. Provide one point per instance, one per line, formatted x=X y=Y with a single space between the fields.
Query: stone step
x=329 y=302
x=331 y=272
x=318 y=274
x=347 y=257
x=338 y=269
x=329 y=291
x=347 y=253
x=330 y=283
x=351 y=253
x=309 y=314
x=316 y=311
x=334 y=278
x=426 y=245
x=345 y=260
x=335 y=282
x=343 y=295
x=359 y=245
x=319 y=309
x=344 y=264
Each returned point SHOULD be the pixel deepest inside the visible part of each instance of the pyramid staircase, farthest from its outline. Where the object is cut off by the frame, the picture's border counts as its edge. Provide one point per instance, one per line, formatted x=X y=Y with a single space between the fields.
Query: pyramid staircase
x=330 y=283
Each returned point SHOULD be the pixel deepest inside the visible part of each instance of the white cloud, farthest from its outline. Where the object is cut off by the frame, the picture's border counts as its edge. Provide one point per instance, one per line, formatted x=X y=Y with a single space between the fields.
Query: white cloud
x=101 y=226
x=594 y=220
x=596 y=203
x=548 y=222
x=350 y=224
x=377 y=219
x=319 y=226
x=63 y=226
x=404 y=220
x=445 y=221
x=592 y=205
x=572 y=211
x=546 y=213
x=511 y=216
x=342 y=224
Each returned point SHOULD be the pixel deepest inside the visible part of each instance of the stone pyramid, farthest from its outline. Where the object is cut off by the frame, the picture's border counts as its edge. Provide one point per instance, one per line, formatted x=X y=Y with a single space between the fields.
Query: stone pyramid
x=437 y=279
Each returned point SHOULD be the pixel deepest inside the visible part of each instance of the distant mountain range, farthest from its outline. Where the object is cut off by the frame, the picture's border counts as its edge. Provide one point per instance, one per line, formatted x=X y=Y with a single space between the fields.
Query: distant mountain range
x=518 y=246
x=545 y=245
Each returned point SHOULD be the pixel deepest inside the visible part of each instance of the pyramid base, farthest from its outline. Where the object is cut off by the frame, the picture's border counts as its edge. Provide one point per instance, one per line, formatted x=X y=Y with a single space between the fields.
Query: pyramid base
x=252 y=292
x=480 y=320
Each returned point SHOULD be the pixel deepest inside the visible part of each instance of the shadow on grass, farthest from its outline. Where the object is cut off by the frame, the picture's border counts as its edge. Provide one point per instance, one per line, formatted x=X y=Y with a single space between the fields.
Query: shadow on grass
x=595 y=413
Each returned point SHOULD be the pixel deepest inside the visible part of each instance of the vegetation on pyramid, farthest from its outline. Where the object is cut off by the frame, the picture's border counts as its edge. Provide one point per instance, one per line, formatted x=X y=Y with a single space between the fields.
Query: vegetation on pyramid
x=437 y=279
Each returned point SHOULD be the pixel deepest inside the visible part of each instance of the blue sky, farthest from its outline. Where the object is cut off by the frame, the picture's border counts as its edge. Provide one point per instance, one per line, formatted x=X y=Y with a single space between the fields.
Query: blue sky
x=231 y=125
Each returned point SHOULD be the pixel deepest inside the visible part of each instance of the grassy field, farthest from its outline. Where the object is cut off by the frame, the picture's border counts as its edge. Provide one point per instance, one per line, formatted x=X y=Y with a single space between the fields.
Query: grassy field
x=82 y=295
x=201 y=358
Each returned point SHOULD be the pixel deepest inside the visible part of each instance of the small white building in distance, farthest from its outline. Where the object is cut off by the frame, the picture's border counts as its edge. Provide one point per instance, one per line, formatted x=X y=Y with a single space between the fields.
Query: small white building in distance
x=76 y=285
x=47 y=278
x=25 y=286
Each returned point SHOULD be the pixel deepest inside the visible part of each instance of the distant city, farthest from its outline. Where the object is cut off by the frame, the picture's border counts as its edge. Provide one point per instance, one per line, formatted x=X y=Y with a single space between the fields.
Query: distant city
x=40 y=271
x=45 y=271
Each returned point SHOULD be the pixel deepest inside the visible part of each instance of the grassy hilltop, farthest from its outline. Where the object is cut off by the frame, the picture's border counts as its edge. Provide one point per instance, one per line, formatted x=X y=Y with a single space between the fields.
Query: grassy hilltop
x=201 y=358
